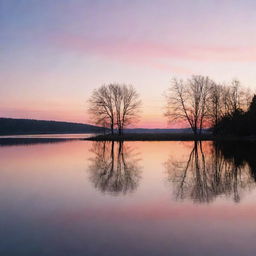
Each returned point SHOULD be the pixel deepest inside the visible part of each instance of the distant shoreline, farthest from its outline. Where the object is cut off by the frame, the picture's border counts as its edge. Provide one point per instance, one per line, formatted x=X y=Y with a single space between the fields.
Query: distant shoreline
x=14 y=126
x=129 y=137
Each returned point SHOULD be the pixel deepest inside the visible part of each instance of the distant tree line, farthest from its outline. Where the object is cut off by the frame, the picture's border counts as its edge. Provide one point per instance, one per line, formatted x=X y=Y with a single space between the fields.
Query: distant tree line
x=240 y=122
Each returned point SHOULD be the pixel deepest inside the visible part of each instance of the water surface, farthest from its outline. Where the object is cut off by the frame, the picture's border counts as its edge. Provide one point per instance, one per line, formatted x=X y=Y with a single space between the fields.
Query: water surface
x=49 y=136
x=131 y=198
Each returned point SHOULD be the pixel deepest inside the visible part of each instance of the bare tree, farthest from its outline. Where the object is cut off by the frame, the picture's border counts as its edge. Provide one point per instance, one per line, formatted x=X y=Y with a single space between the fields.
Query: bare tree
x=115 y=105
x=101 y=107
x=215 y=103
x=130 y=105
x=233 y=99
x=118 y=98
x=187 y=101
x=201 y=102
x=236 y=97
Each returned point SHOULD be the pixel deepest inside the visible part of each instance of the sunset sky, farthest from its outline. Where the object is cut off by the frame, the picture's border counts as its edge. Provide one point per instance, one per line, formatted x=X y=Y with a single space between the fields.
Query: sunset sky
x=53 y=53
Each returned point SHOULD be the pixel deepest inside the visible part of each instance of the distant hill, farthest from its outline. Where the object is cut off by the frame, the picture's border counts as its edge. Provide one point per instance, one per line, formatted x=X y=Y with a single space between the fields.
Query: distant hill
x=9 y=126
x=12 y=126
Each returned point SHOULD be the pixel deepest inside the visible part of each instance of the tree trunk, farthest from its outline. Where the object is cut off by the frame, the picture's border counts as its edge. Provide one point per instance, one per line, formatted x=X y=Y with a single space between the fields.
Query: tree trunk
x=112 y=128
x=195 y=130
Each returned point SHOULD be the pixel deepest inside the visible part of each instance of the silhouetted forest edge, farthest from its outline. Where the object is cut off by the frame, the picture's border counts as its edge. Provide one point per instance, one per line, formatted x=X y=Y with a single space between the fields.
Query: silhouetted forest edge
x=12 y=126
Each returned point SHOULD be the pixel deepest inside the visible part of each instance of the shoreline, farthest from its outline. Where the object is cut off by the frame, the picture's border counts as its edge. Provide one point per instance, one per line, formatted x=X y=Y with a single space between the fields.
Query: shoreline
x=168 y=137
x=130 y=137
x=150 y=137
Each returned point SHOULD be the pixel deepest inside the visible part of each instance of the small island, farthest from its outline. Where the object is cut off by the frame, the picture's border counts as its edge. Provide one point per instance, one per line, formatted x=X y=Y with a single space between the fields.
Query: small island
x=151 y=137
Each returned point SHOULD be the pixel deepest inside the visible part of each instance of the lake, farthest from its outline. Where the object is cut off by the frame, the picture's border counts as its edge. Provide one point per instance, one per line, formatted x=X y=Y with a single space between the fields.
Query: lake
x=132 y=198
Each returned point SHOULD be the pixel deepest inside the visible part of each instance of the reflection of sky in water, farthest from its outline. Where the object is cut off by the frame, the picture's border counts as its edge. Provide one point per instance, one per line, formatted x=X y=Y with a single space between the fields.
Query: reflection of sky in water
x=50 y=206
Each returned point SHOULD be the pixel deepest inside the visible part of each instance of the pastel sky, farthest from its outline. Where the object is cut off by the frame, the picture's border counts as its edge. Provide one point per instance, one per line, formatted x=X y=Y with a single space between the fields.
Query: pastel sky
x=54 y=53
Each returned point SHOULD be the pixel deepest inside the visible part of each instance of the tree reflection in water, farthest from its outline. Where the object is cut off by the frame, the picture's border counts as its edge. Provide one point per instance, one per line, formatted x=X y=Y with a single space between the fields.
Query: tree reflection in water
x=224 y=171
x=114 y=167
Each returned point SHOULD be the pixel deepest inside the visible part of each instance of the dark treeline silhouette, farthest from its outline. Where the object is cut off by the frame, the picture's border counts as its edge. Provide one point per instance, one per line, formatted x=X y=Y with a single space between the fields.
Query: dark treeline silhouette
x=224 y=171
x=202 y=103
x=239 y=122
x=29 y=126
x=114 y=167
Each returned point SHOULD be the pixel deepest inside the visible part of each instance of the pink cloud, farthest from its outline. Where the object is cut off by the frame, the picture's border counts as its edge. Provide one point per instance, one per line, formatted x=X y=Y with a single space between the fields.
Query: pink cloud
x=123 y=50
x=154 y=54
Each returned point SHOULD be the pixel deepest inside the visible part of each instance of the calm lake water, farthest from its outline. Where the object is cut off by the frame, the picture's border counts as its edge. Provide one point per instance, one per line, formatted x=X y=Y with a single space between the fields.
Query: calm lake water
x=54 y=136
x=132 y=198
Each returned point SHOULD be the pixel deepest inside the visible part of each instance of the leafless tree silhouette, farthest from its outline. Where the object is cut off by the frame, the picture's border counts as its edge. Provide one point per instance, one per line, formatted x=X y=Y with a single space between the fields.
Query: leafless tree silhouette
x=114 y=105
x=235 y=97
x=187 y=101
x=102 y=107
x=216 y=103
x=201 y=102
